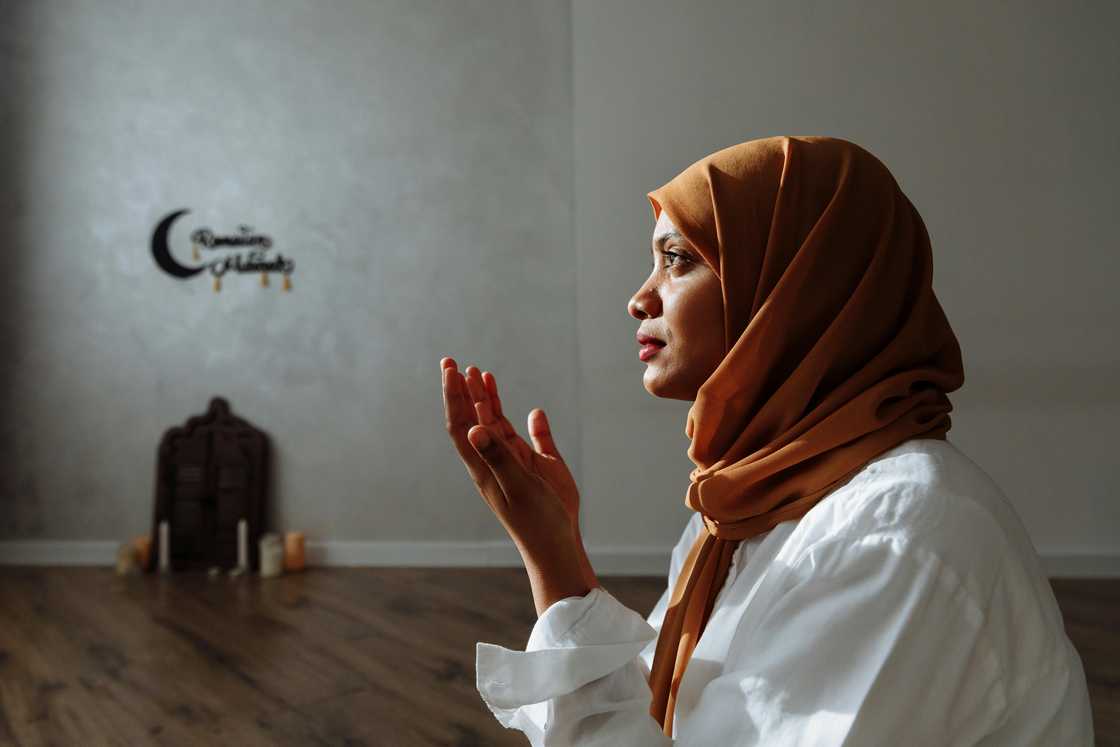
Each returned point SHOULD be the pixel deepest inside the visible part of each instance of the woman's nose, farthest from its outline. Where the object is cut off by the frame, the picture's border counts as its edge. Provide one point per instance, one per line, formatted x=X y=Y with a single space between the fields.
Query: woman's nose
x=634 y=310
x=643 y=304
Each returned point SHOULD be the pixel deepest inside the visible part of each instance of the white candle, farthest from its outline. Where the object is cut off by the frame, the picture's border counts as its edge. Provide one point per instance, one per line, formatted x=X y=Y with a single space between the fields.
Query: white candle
x=272 y=555
x=243 y=545
x=164 y=547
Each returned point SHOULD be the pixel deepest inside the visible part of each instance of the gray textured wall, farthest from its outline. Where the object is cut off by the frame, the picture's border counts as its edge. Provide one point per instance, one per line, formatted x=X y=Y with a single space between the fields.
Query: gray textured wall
x=999 y=121
x=414 y=158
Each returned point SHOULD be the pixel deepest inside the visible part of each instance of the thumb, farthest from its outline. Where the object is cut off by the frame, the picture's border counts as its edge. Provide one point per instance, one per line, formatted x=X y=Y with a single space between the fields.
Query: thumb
x=541 y=433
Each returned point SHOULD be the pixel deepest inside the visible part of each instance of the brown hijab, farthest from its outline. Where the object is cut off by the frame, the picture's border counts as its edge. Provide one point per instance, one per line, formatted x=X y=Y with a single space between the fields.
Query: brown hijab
x=835 y=349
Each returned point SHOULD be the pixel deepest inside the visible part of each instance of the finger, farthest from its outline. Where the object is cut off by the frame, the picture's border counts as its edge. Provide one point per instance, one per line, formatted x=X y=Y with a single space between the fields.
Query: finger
x=521 y=449
x=507 y=469
x=480 y=396
x=457 y=406
x=460 y=418
x=496 y=405
x=541 y=433
x=492 y=388
x=459 y=412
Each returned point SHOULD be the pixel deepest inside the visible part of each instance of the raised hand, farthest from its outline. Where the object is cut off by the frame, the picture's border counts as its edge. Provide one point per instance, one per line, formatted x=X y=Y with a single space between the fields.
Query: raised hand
x=530 y=489
x=473 y=400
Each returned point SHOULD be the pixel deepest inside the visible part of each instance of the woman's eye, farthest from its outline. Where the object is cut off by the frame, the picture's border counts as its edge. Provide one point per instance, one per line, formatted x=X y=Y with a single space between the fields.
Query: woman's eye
x=680 y=257
x=671 y=254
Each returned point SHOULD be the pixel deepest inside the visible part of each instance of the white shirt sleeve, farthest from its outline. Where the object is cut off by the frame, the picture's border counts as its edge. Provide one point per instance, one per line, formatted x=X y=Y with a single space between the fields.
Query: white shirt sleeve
x=580 y=680
x=870 y=643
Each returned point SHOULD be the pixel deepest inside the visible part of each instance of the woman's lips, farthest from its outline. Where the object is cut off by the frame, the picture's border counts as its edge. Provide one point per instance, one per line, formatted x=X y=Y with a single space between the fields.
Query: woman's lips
x=650 y=350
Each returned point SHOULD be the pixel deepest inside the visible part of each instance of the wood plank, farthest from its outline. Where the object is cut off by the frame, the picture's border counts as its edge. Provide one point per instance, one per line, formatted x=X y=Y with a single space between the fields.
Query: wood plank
x=369 y=656
x=1091 y=612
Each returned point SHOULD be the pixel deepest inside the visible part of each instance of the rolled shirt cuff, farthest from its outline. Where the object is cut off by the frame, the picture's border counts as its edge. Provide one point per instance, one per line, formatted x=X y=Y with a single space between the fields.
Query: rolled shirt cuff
x=575 y=641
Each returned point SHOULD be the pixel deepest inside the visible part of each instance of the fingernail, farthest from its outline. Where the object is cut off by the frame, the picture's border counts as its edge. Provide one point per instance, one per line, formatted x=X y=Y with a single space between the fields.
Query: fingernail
x=482 y=439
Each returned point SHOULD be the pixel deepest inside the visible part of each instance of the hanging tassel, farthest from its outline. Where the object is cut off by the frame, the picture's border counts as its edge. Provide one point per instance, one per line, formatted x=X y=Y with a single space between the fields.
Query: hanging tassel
x=287 y=283
x=194 y=252
x=264 y=279
x=217 y=283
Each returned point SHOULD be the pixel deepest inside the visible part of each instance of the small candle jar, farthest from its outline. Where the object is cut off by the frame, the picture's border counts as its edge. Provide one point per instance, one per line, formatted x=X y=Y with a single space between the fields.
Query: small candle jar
x=126 y=559
x=293 y=552
x=143 y=545
x=272 y=555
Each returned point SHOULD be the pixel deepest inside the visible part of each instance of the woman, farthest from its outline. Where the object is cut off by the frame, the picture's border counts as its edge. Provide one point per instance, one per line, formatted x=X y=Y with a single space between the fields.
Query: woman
x=848 y=576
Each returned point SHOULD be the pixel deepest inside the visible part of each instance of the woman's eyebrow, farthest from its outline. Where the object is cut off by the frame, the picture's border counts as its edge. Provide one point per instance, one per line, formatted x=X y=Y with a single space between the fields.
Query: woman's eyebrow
x=674 y=234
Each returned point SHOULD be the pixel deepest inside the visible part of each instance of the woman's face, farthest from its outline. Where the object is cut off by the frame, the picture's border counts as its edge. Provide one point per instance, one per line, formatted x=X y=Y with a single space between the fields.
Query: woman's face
x=681 y=304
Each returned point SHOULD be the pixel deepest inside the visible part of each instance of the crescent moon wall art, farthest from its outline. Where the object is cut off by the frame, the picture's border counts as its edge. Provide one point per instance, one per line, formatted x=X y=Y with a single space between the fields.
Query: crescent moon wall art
x=161 y=252
x=255 y=260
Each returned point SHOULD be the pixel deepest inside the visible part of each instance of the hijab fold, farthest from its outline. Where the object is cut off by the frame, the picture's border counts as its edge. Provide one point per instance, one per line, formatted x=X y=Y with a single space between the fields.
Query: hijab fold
x=836 y=350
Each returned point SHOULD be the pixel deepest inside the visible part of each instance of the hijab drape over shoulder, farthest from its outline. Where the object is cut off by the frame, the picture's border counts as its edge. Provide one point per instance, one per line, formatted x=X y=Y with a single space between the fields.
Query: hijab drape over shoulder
x=835 y=349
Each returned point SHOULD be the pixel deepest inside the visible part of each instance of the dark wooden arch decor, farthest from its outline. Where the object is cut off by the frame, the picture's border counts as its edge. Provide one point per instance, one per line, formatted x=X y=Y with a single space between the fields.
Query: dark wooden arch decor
x=210 y=473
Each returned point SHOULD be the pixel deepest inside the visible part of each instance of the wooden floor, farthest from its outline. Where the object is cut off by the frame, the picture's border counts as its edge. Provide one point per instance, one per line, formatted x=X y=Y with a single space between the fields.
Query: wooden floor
x=371 y=656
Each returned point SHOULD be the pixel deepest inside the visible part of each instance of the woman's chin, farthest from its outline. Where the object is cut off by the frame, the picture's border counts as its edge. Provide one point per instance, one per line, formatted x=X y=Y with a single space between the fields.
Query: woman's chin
x=656 y=384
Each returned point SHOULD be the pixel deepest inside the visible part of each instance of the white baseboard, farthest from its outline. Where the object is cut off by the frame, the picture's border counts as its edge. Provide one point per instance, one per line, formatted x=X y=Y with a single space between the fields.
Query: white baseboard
x=58 y=552
x=611 y=561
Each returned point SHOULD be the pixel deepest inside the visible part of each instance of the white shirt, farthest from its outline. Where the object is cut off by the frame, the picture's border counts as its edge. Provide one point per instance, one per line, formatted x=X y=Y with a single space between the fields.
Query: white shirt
x=907 y=607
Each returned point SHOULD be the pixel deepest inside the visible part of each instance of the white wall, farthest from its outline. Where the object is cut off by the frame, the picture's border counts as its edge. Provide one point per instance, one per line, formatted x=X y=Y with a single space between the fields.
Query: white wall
x=420 y=161
x=998 y=120
x=413 y=157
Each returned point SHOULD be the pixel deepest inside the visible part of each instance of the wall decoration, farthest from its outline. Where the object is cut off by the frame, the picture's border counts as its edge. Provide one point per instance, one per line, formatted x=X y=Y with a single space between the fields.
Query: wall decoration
x=256 y=259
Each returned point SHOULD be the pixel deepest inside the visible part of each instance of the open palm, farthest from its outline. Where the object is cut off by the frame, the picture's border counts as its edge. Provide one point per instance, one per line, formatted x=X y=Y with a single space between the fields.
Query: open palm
x=473 y=400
